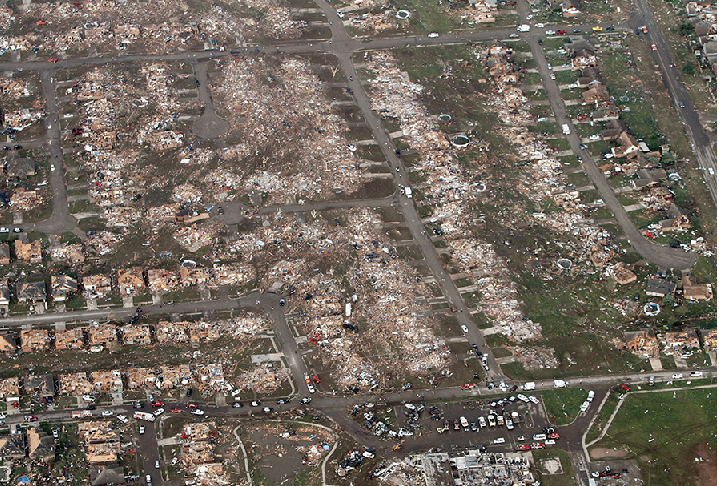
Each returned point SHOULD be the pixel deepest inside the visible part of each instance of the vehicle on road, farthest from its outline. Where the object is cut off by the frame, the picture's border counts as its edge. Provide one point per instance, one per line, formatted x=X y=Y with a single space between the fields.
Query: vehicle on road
x=499 y=440
x=523 y=28
x=255 y=403
x=175 y=410
x=53 y=59
x=52 y=167
x=677 y=376
x=107 y=413
x=597 y=28
x=654 y=46
x=306 y=400
x=237 y=405
x=158 y=403
x=197 y=411
x=18 y=230
x=148 y=479
x=464 y=329
x=433 y=35
x=142 y=429
x=561 y=31
x=4 y=229
x=550 y=32
x=157 y=464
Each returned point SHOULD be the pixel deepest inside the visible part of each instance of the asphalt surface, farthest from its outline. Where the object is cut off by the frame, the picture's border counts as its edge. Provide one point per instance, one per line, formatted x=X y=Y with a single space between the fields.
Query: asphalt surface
x=704 y=149
x=661 y=255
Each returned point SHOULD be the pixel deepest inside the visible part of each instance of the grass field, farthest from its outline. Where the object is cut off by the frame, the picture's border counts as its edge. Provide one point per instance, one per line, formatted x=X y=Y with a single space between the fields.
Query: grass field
x=563 y=404
x=666 y=431
x=566 y=478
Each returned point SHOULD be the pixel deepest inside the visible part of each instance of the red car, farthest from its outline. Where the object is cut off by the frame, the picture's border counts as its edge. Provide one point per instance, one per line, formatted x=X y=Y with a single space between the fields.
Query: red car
x=30 y=418
x=654 y=47
x=53 y=59
x=538 y=445
x=553 y=435
x=131 y=450
x=624 y=387
x=40 y=22
x=191 y=405
x=468 y=386
x=176 y=410
x=158 y=403
x=581 y=117
x=523 y=447
x=316 y=379
x=561 y=32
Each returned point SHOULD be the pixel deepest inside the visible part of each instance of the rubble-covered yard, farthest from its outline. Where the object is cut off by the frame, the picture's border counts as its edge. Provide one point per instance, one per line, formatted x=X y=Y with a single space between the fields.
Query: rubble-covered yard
x=73 y=29
x=495 y=192
x=338 y=269
x=381 y=17
x=218 y=352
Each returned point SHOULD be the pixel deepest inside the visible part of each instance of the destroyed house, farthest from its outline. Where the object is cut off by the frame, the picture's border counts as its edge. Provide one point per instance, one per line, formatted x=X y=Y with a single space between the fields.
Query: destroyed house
x=101 y=334
x=136 y=334
x=10 y=388
x=72 y=254
x=4 y=296
x=97 y=286
x=75 y=384
x=31 y=291
x=62 y=287
x=43 y=385
x=12 y=446
x=190 y=275
x=677 y=343
x=28 y=252
x=40 y=445
x=161 y=281
x=139 y=378
x=4 y=254
x=32 y=340
x=130 y=281
x=643 y=343
x=106 y=381
x=8 y=343
x=70 y=338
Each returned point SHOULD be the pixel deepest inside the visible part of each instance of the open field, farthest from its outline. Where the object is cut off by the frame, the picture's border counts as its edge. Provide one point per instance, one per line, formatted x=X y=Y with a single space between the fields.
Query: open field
x=666 y=431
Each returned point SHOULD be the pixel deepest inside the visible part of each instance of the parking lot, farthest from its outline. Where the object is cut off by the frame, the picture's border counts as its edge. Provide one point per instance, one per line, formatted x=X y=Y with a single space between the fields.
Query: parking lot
x=505 y=426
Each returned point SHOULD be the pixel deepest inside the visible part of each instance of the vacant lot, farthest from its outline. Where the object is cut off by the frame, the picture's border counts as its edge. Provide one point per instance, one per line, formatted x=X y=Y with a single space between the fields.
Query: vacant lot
x=666 y=431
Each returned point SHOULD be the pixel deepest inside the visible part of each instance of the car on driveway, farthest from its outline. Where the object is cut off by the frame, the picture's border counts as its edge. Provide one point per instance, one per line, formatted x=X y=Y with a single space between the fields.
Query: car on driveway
x=624 y=387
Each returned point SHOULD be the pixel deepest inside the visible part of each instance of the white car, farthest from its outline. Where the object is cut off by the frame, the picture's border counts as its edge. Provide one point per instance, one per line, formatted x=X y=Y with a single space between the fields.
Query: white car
x=540 y=25
x=4 y=229
x=509 y=424
x=433 y=35
x=52 y=167
x=159 y=412
x=677 y=376
x=107 y=413
x=552 y=76
x=534 y=400
x=550 y=442
x=88 y=398
x=123 y=419
x=197 y=411
x=499 y=440
x=142 y=429
x=464 y=329
x=549 y=32
x=311 y=388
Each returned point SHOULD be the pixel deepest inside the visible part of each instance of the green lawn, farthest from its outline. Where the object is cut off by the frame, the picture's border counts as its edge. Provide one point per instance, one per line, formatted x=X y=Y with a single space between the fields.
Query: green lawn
x=669 y=429
x=566 y=478
x=563 y=404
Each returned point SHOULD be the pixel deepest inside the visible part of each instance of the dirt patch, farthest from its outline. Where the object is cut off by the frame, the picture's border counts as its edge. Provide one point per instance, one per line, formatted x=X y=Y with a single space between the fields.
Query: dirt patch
x=706 y=469
x=603 y=453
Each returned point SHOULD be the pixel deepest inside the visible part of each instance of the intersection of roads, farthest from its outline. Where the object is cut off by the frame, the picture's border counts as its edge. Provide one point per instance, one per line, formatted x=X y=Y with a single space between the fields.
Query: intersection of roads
x=343 y=47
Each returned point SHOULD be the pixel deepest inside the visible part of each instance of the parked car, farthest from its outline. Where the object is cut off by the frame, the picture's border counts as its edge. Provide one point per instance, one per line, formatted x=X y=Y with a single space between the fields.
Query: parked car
x=107 y=413
x=197 y=411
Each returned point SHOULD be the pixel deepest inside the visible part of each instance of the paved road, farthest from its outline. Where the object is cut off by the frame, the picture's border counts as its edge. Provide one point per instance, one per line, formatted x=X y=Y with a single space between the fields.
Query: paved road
x=343 y=48
x=661 y=255
x=704 y=149
x=61 y=219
